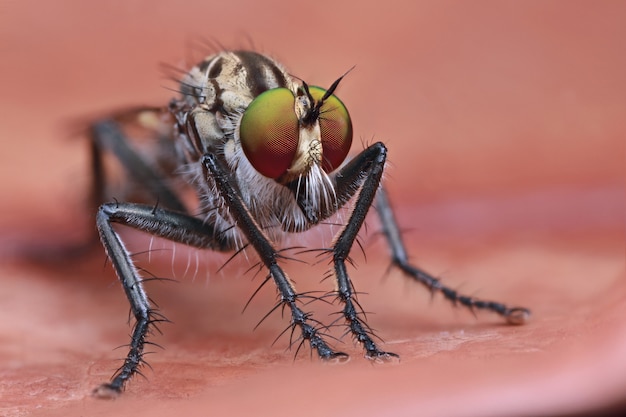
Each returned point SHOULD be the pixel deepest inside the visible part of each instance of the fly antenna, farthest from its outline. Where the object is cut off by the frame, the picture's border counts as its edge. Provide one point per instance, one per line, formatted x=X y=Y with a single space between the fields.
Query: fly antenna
x=334 y=85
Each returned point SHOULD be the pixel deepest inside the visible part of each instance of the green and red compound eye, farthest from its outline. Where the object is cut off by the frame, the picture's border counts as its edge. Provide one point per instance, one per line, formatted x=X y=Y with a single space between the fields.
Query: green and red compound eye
x=336 y=130
x=269 y=131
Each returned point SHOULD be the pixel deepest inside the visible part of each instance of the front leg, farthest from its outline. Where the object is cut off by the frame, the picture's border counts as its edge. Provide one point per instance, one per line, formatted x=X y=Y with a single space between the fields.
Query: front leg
x=363 y=173
x=399 y=258
x=269 y=256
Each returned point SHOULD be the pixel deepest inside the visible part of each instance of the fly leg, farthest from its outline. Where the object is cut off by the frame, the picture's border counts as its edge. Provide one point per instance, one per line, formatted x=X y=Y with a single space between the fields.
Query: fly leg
x=107 y=136
x=362 y=173
x=177 y=227
x=513 y=315
x=269 y=256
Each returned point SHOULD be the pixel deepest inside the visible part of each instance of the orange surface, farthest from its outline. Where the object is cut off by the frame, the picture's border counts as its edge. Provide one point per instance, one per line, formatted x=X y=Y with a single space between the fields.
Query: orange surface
x=505 y=124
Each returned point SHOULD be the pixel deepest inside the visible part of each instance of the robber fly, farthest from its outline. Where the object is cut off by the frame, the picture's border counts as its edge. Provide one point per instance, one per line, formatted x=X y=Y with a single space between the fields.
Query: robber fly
x=264 y=153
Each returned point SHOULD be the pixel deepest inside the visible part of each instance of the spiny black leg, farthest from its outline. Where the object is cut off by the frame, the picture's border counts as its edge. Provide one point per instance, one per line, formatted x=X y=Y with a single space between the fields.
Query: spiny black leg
x=268 y=255
x=371 y=163
x=513 y=315
x=106 y=135
x=171 y=225
x=137 y=297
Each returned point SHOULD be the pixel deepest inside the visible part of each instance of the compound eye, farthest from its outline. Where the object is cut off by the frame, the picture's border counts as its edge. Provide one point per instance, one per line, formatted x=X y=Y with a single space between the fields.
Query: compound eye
x=269 y=132
x=336 y=129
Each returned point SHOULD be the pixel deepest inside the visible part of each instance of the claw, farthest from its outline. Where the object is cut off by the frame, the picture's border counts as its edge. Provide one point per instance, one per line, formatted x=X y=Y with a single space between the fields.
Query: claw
x=336 y=357
x=517 y=315
x=106 y=392
x=382 y=357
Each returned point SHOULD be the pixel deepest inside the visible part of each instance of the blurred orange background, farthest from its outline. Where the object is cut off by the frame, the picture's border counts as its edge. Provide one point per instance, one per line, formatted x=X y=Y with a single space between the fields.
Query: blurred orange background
x=505 y=126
